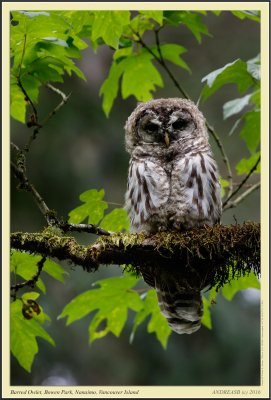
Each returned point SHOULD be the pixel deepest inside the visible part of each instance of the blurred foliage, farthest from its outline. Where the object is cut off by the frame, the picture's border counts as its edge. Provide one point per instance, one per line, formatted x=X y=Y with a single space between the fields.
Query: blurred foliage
x=43 y=48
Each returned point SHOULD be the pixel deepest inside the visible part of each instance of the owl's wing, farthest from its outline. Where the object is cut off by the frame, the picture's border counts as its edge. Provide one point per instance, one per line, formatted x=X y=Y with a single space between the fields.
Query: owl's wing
x=198 y=175
x=148 y=190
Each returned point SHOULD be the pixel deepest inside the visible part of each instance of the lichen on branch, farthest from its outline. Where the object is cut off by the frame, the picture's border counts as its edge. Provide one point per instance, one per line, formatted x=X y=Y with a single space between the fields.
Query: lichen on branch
x=214 y=254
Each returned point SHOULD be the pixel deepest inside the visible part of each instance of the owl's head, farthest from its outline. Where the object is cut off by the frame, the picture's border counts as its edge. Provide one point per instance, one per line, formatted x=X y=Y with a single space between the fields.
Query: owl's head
x=164 y=124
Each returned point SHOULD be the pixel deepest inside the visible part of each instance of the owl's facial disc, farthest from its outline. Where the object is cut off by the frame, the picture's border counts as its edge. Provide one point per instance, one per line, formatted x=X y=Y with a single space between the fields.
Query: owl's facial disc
x=164 y=126
x=150 y=128
x=180 y=125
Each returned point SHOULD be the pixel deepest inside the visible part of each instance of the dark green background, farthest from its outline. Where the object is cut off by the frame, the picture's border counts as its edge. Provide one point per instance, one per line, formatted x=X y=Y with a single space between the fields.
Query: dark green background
x=81 y=149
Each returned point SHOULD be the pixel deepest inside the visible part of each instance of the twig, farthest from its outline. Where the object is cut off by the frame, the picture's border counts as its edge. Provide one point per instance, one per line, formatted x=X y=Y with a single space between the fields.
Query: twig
x=89 y=228
x=223 y=153
x=49 y=116
x=33 y=119
x=56 y=109
x=234 y=203
x=31 y=282
x=19 y=82
x=242 y=183
x=26 y=185
x=161 y=61
x=56 y=90
x=14 y=146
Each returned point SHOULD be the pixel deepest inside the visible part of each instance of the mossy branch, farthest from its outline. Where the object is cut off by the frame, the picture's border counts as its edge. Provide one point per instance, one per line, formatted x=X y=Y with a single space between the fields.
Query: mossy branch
x=212 y=255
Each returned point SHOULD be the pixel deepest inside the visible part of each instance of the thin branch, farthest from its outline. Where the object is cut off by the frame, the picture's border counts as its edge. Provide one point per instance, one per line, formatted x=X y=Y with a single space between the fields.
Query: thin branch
x=225 y=158
x=89 y=228
x=238 y=200
x=31 y=282
x=242 y=183
x=56 y=90
x=56 y=109
x=26 y=185
x=14 y=146
x=161 y=61
x=23 y=53
x=34 y=118
x=49 y=116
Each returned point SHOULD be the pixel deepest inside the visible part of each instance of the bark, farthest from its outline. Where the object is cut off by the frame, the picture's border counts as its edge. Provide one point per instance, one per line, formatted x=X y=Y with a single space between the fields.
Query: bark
x=217 y=254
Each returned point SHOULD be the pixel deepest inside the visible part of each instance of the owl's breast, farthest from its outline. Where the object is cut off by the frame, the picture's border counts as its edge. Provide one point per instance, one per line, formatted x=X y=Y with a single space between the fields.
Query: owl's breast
x=148 y=193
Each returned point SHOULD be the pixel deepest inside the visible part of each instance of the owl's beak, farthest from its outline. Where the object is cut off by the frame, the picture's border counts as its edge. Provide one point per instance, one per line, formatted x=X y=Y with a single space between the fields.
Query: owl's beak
x=167 y=139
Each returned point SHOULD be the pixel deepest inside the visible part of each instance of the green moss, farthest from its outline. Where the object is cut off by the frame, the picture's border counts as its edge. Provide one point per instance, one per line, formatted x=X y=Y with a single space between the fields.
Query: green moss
x=214 y=254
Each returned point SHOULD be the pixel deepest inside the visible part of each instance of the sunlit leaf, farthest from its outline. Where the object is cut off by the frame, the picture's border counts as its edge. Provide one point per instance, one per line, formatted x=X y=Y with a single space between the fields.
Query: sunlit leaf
x=54 y=270
x=172 y=52
x=140 y=77
x=153 y=14
x=93 y=207
x=224 y=184
x=25 y=265
x=138 y=25
x=24 y=333
x=157 y=323
x=110 y=87
x=235 y=72
x=244 y=282
x=42 y=47
x=256 y=98
x=206 y=318
x=116 y=221
x=250 y=14
x=217 y=12
x=109 y=26
x=251 y=130
x=18 y=103
x=246 y=164
x=111 y=300
x=192 y=20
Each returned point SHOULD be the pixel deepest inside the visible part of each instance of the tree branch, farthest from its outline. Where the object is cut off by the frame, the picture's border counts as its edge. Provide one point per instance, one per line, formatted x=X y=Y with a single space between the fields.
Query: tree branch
x=89 y=228
x=26 y=185
x=210 y=254
x=161 y=61
x=242 y=196
x=241 y=184
x=49 y=116
x=223 y=153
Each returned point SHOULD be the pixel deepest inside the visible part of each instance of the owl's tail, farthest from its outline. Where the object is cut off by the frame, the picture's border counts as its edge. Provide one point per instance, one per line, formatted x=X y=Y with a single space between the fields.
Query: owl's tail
x=182 y=309
x=180 y=305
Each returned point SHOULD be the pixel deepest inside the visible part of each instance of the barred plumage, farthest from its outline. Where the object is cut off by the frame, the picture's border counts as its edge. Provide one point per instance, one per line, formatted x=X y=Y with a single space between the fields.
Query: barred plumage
x=172 y=185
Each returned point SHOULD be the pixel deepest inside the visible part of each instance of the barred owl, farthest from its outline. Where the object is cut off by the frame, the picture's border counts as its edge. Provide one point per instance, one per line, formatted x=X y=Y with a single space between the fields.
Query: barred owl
x=172 y=185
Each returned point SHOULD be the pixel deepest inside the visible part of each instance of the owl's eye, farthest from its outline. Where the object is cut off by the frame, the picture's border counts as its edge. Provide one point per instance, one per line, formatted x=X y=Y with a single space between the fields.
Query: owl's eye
x=151 y=127
x=179 y=124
